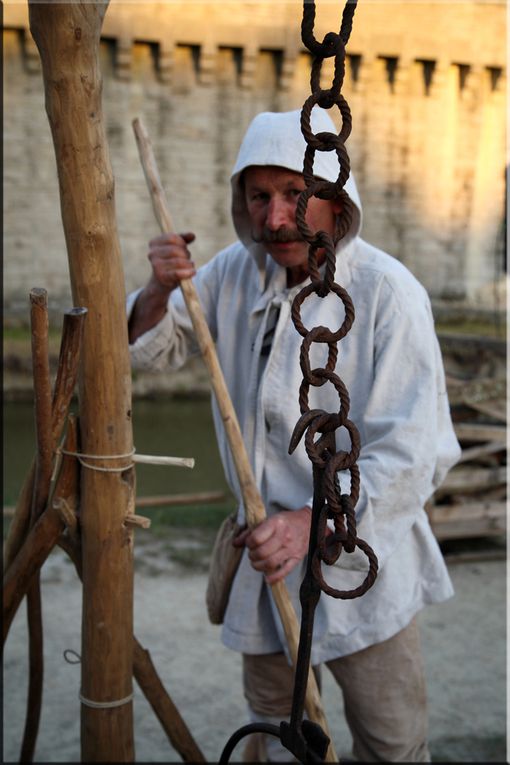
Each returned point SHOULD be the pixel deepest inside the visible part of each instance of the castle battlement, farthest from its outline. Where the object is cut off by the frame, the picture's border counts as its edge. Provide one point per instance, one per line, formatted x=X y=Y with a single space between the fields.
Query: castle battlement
x=426 y=83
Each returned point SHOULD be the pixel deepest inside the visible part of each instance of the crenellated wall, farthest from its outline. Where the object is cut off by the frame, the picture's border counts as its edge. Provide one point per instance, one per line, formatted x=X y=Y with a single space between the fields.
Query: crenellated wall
x=426 y=86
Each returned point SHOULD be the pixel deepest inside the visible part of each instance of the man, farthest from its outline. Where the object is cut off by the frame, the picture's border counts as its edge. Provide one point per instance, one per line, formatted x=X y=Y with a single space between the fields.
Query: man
x=391 y=365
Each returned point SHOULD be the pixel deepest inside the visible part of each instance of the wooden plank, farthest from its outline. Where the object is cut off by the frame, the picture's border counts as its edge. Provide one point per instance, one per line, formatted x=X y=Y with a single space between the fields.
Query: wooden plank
x=467 y=431
x=470 y=519
x=476 y=390
x=467 y=511
x=479 y=451
x=469 y=529
x=198 y=498
x=162 y=500
x=495 y=408
x=465 y=480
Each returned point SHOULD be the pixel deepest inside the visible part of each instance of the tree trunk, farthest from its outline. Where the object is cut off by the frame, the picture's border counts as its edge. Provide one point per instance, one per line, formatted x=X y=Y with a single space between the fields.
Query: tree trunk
x=67 y=36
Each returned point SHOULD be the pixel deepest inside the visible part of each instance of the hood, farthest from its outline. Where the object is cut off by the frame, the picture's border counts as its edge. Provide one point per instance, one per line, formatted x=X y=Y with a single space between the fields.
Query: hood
x=275 y=138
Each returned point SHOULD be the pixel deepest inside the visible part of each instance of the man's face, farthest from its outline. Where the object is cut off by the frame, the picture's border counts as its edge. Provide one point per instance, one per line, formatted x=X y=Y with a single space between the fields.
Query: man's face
x=271 y=198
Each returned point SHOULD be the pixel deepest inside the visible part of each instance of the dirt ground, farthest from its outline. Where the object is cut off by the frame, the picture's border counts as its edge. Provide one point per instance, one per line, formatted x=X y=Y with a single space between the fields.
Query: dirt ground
x=463 y=641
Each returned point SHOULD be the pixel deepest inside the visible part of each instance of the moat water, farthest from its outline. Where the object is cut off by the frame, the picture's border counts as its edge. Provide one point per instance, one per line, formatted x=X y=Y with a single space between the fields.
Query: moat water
x=173 y=427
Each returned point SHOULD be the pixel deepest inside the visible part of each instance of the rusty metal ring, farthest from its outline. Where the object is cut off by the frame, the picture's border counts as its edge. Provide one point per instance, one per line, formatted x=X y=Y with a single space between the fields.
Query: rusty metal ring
x=333 y=495
x=338 y=78
x=329 y=549
x=357 y=591
x=317 y=189
x=329 y=44
x=326 y=423
x=329 y=336
x=343 y=460
x=316 y=140
x=323 y=375
x=348 y=536
x=307 y=416
x=345 y=168
x=344 y=221
x=314 y=336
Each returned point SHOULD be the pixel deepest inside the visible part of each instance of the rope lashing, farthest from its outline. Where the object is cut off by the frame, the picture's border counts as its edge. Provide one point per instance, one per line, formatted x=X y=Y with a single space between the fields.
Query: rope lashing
x=89 y=702
x=149 y=459
x=105 y=704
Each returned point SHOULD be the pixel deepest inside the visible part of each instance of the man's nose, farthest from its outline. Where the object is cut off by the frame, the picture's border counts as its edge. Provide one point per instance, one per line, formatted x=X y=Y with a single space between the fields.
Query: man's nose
x=277 y=214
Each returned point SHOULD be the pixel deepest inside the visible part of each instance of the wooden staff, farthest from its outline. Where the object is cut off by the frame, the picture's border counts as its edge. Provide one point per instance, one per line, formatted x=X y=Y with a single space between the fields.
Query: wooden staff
x=48 y=426
x=42 y=398
x=255 y=510
x=67 y=36
x=43 y=468
x=65 y=383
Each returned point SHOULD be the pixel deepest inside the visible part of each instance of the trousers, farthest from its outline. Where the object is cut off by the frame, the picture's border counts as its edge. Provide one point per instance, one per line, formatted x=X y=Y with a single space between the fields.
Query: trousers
x=384 y=694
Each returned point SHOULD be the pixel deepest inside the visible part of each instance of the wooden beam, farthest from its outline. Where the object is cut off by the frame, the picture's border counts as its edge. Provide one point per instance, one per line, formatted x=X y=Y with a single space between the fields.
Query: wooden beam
x=475 y=452
x=466 y=480
x=468 y=519
x=199 y=498
x=67 y=36
x=467 y=431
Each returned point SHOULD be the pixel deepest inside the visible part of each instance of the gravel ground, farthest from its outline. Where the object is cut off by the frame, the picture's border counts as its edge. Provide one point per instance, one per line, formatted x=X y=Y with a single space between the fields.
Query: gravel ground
x=463 y=641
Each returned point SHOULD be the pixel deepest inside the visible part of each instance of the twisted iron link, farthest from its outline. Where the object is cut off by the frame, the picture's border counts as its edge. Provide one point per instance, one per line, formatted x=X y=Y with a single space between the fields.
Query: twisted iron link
x=305 y=739
x=338 y=506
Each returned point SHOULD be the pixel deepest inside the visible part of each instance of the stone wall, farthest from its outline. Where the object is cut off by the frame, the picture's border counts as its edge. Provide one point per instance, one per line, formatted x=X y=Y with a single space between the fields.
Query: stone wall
x=425 y=82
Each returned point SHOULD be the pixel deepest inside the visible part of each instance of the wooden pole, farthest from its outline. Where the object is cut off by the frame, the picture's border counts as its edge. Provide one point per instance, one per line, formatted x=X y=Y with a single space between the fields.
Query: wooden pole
x=254 y=507
x=67 y=36
x=42 y=398
x=163 y=706
x=43 y=534
x=43 y=468
x=22 y=574
x=65 y=383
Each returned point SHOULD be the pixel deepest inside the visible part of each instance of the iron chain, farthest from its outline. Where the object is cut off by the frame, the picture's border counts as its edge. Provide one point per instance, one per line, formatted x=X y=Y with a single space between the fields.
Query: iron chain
x=337 y=506
x=305 y=739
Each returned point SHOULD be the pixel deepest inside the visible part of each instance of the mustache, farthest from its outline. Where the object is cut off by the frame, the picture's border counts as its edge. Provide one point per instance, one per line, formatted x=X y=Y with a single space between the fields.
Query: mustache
x=280 y=235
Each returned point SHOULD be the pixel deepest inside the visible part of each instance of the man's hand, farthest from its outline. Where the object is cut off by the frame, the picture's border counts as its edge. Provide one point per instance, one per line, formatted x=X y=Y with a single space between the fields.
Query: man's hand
x=171 y=262
x=279 y=543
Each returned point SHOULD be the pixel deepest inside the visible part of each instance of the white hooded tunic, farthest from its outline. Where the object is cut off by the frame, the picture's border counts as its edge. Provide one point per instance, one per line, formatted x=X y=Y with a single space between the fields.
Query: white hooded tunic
x=391 y=364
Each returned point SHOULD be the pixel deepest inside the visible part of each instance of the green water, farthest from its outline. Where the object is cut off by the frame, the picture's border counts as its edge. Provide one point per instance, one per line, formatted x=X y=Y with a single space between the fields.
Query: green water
x=177 y=428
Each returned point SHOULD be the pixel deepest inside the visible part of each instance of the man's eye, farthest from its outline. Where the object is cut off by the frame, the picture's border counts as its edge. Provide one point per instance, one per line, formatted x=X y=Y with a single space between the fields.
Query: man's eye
x=295 y=192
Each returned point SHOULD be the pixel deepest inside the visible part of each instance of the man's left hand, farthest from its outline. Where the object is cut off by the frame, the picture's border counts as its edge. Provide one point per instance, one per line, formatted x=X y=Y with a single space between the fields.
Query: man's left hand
x=279 y=543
